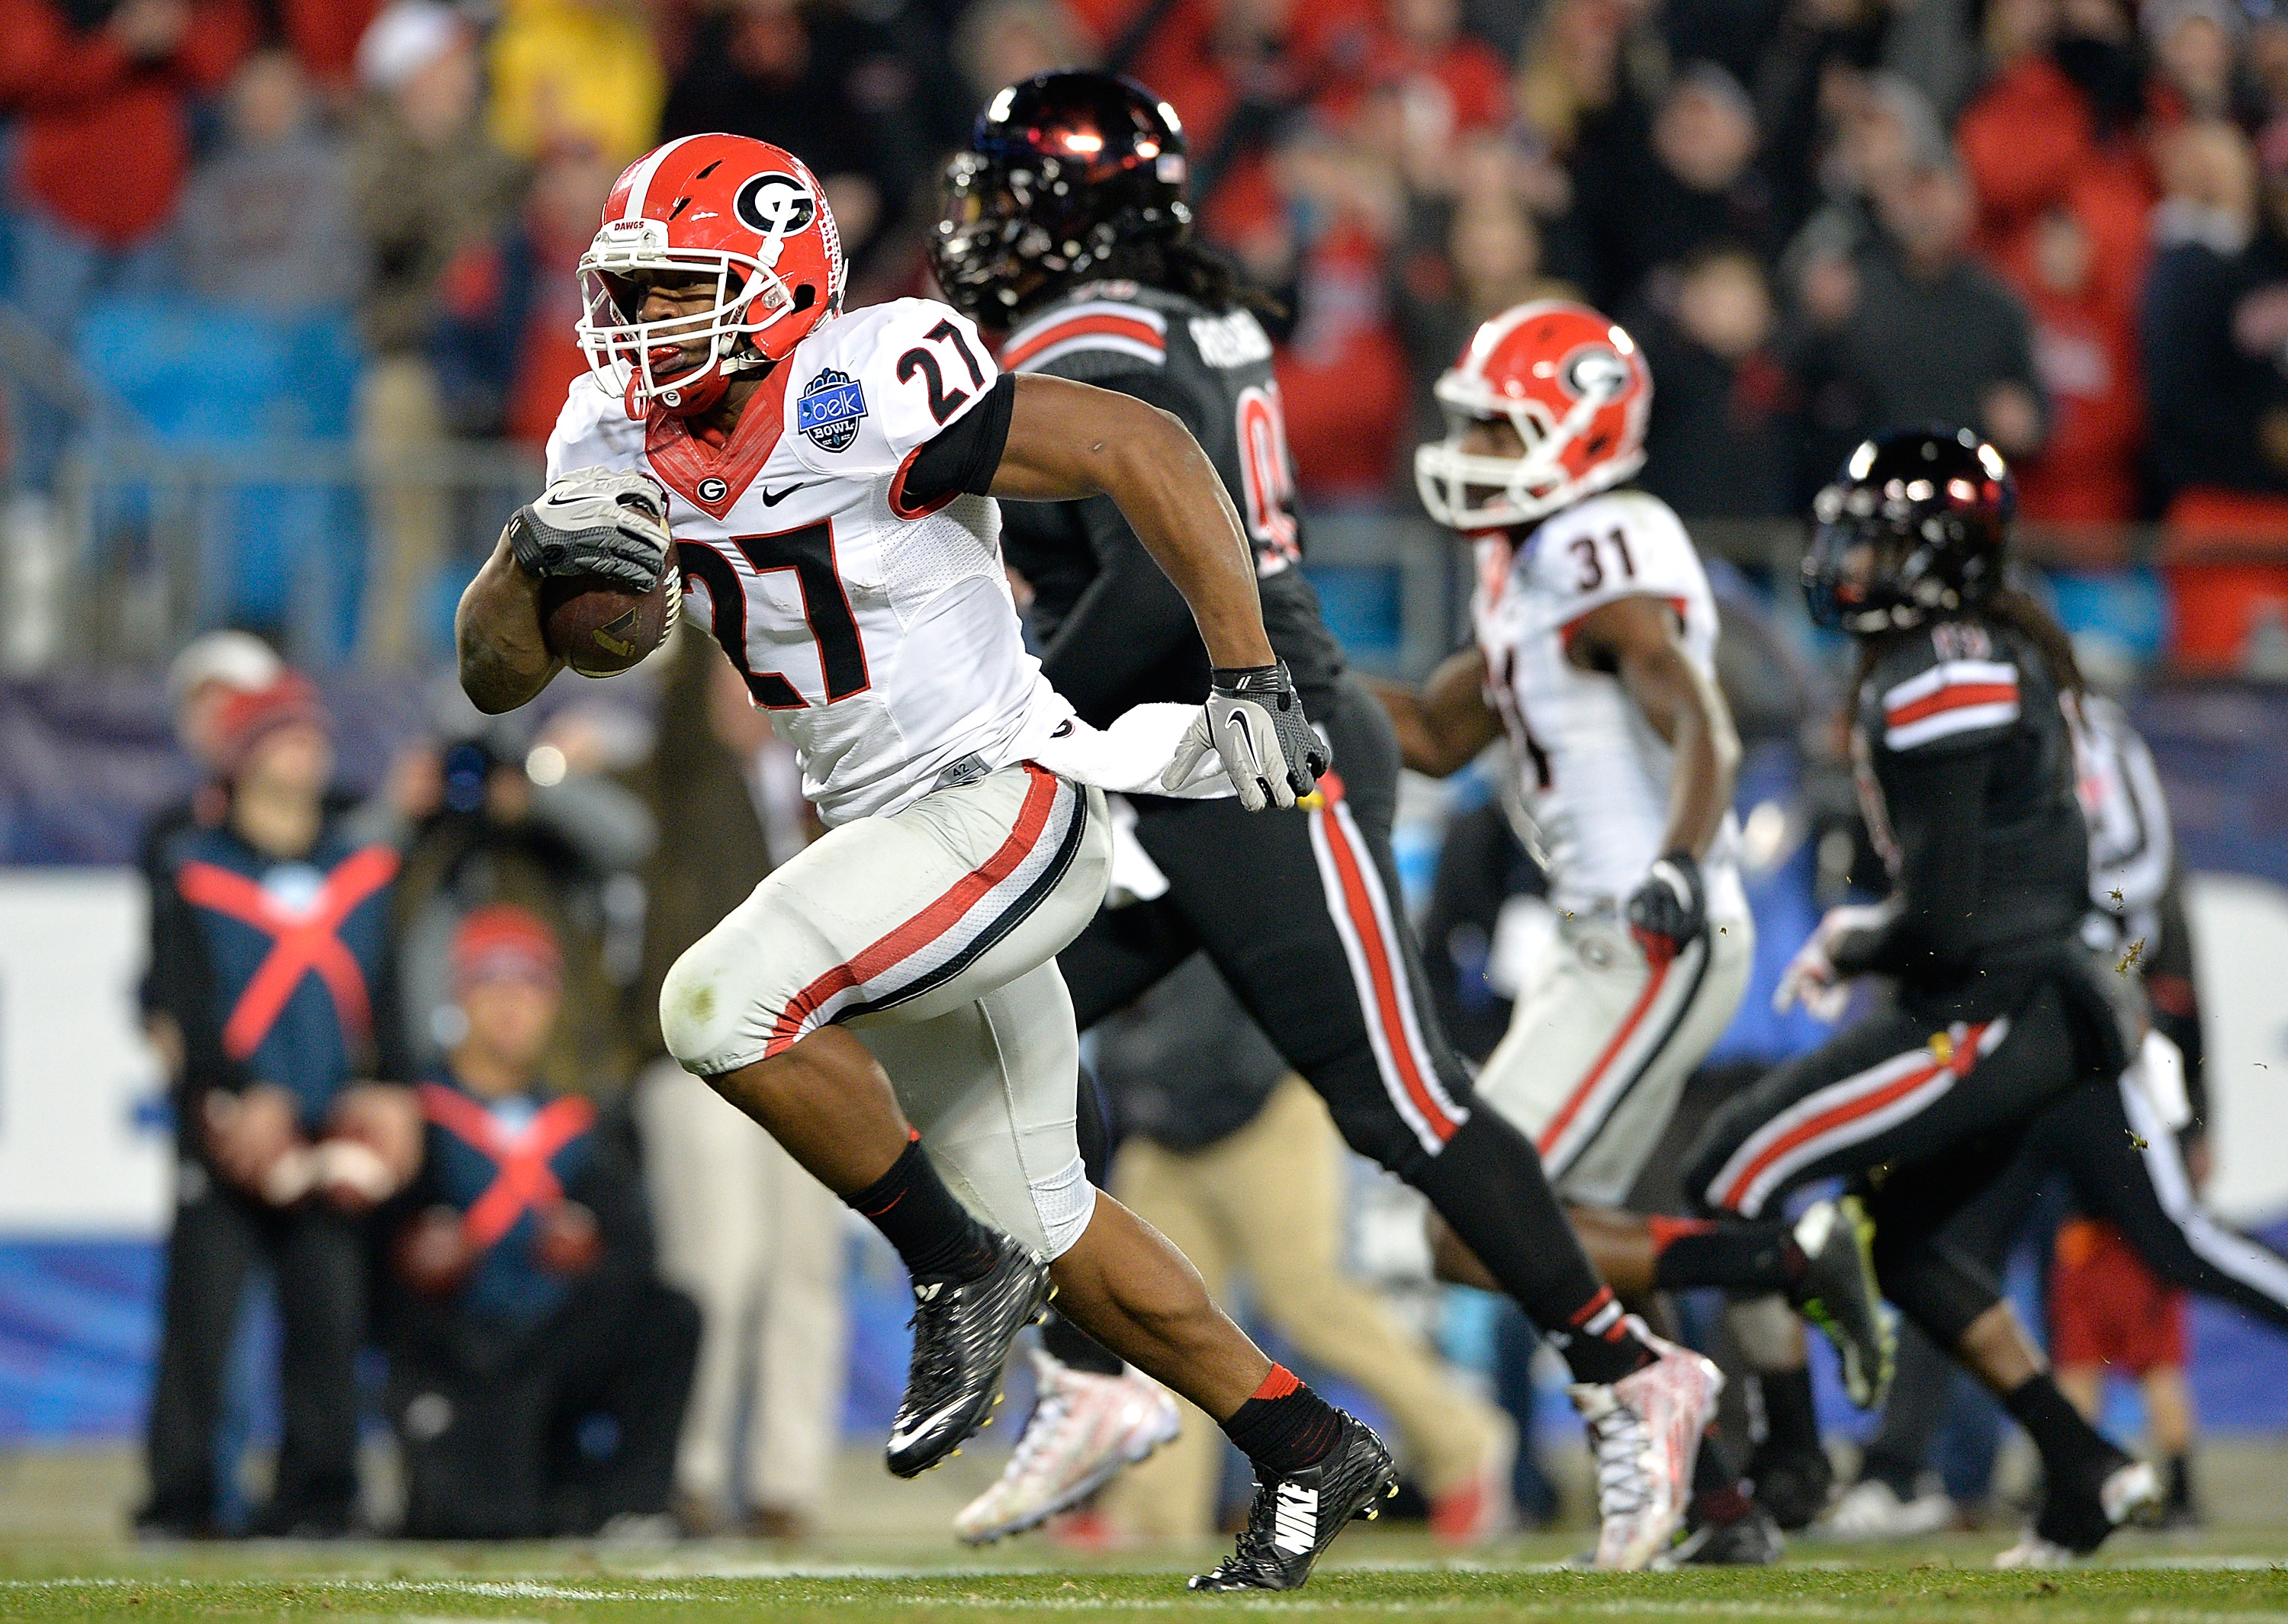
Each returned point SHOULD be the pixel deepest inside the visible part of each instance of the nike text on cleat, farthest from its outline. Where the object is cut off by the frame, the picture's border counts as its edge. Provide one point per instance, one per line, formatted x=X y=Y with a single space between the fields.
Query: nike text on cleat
x=1838 y=1294
x=1083 y=1429
x=1293 y=1519
x=962 y=1332
x=1645 y=1431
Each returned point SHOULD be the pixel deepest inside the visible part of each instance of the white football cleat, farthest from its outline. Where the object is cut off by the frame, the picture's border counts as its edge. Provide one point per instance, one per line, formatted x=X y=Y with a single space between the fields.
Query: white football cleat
x=1645 y=1431
x=2032 y=1550
x=1084 y=1428
x=1872 y=1510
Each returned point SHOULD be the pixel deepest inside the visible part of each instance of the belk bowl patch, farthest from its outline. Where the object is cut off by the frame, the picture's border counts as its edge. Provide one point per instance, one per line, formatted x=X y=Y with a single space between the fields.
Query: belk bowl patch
x=828 y=411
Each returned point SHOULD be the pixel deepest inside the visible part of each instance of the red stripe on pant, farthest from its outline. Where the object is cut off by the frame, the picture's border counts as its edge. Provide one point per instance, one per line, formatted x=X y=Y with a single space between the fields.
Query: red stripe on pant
x=1588 y=1084
x=1965 y=1055
x=880 y=957
x=1382 y=962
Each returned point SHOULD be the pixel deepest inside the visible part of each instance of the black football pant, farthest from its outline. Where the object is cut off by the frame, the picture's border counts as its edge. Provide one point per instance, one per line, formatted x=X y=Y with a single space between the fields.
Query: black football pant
x=494 y=1452
x=1301 y=913
x=2121 y=1165
x=1922 y=1119
x=317 y=1261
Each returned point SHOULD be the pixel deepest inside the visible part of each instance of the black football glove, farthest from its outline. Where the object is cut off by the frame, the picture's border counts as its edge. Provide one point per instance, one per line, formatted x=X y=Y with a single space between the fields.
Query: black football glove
x=1253 y=719
x=1670 y=910
x=598 y=522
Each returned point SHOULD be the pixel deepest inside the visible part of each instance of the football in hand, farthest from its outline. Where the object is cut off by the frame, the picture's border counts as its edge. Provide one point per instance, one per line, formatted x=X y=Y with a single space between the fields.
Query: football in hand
x=600 y=628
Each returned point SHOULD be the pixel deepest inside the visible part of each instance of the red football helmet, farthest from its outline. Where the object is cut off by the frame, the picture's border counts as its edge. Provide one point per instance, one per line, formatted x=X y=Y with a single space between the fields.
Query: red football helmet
x=1574 y=387
x=748 y=214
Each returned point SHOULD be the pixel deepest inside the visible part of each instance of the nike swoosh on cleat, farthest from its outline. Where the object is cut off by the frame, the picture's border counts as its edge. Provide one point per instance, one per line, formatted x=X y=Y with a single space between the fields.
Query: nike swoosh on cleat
x=898 y=1440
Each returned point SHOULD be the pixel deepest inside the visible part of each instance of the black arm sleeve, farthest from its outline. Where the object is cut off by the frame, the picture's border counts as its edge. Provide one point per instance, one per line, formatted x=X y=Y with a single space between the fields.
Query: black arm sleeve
x=1937 y=806
x=1130 y=621
x=1125 y=625
x=965 y=457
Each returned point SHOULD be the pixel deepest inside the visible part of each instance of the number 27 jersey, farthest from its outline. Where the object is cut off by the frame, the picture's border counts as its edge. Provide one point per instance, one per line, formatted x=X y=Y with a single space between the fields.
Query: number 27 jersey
x=1597 y=774
x=878 y=633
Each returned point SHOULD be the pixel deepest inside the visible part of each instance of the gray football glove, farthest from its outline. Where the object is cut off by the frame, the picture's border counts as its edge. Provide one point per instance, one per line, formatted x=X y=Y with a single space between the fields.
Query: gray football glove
x=1253 y=719
x=595 y=521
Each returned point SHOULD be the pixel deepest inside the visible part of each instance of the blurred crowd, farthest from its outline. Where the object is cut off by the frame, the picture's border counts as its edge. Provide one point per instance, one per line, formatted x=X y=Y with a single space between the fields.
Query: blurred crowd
x=2064 y=222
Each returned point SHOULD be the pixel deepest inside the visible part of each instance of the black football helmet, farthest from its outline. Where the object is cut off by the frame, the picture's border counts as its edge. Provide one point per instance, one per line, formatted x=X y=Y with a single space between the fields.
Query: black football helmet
x=1915 y=524
x=1062 y=169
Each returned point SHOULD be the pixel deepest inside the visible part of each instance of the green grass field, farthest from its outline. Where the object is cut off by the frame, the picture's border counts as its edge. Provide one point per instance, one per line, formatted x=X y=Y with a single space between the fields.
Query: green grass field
x=2203 y=1580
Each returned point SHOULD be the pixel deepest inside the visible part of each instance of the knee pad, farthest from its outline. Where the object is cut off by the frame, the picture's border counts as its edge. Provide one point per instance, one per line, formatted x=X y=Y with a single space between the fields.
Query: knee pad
x=1935 y=1286
x=699 y=1017
x=1064 y=1202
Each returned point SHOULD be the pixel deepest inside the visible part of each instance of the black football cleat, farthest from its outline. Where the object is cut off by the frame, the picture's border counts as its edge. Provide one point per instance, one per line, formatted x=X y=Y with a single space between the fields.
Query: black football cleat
x=1295 y=1518
x=1793 y=1485
x=962 y=1333
x=1838 y=1294
x=1750 y=1540
x=2075 y=1518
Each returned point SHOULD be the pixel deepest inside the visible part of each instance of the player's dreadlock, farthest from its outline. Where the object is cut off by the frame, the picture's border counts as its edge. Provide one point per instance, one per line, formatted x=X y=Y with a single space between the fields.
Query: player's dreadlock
x=2010 y=606
x=1192 y=269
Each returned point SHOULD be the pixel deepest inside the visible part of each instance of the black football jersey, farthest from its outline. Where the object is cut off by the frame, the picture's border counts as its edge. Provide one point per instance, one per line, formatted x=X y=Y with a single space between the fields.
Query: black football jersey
x=1965 y=769
x=1116 y=632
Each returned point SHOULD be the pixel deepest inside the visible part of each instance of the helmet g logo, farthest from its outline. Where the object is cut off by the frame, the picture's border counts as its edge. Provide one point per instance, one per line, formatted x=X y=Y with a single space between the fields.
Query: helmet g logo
x=775 y=204
x=1595 y=373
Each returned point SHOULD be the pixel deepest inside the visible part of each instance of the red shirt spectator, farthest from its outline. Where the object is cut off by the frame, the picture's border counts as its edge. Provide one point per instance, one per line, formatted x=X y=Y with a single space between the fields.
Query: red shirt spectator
x=1342 y=375
x=324 y=35
x=104 y=148
x=2085 y=355
x=1206 y=56
x=1449 y=84
x=2031 y=143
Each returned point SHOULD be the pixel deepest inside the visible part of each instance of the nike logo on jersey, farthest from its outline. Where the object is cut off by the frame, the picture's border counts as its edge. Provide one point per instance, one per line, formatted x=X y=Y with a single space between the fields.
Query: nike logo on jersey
x=772 y=498
x=1295 y=1519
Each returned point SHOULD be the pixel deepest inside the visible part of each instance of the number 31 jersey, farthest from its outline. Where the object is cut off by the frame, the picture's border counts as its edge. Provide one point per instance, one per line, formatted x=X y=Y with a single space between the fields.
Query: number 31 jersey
x=878 y=633
x=1596 y=773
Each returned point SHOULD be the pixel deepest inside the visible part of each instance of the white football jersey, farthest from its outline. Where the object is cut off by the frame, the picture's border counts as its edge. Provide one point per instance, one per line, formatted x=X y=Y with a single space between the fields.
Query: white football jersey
x=2131 y=848
x=1596 y=773
x=880 y=636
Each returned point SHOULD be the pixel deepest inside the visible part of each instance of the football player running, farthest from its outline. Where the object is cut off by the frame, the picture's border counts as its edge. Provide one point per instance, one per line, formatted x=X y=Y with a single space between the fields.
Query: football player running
x=1966 y=767
x=1595 y=653
x=819 y=487
x=1066 y=228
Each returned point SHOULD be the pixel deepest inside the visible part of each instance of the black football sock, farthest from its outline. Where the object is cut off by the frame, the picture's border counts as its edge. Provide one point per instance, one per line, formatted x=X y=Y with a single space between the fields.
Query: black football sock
x=2073 y=1454
x=1791 y=1419
x=1066 y=1343
x=935 y=1234
x=1488 y=1186
x=1737 y=1255
x=1718 y=1499
x=1285 y=1427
